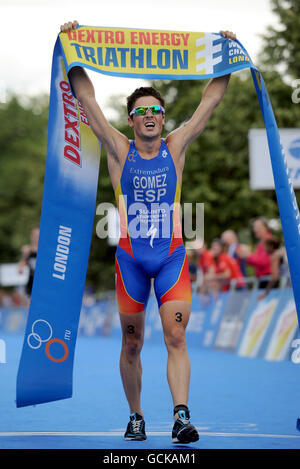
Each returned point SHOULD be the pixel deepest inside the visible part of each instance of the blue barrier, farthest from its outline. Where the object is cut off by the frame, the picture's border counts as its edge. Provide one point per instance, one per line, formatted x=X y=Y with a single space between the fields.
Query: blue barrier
x=235 y=321
x=269 y=327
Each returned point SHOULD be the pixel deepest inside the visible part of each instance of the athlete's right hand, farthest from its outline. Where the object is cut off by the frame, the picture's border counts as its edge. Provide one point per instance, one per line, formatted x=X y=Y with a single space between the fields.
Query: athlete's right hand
x=67 y=27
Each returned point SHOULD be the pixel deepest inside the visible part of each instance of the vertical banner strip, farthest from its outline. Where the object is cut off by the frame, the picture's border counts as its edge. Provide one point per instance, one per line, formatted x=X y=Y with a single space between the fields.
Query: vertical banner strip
x=287 y=202
x=70 y=186
x=71 y=179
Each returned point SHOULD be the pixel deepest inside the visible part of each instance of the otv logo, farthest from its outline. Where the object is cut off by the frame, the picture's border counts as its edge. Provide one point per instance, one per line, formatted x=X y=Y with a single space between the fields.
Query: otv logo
x=38 y=336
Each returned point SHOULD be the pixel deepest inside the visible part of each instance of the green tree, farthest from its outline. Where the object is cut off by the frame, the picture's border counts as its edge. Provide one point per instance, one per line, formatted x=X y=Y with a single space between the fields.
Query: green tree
x=23 y=135
x=281 y=45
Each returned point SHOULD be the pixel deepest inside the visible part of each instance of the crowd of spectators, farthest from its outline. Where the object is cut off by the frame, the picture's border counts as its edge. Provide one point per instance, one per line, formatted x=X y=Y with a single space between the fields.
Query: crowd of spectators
x=223 y=264
x=227 y=262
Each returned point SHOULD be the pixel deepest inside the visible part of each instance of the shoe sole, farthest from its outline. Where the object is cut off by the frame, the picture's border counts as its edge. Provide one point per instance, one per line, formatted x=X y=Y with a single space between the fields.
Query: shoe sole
x=187 y=435
x=134 y=438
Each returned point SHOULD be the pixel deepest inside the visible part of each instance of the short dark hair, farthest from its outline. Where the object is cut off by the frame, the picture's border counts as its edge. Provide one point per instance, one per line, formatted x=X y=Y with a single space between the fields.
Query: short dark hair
x=143 y=91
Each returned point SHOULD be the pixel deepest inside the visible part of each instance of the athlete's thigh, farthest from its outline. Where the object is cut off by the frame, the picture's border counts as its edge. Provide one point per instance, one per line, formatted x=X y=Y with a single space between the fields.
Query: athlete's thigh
x=173 y=292
x=175 y=316
x=132 y=284
x=132 y=289
x=133 y=326
x=172 y=283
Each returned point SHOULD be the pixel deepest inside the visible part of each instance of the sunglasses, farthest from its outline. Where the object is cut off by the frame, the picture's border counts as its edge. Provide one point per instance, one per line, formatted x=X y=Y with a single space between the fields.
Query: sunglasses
x=142 y=110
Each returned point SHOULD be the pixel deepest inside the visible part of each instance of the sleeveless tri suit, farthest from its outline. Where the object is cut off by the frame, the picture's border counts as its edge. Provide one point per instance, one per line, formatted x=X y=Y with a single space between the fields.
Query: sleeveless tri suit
x=150 y=245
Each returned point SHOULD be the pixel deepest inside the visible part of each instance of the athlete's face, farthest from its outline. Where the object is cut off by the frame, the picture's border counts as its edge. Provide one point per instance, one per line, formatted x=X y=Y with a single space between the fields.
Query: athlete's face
x=147 y=126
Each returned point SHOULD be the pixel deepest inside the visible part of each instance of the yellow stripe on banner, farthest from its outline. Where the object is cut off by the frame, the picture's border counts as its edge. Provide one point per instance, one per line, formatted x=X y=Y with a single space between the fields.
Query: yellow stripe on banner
x=201 y=47
x=283 y=338
x=134 y=51
x=257 y=334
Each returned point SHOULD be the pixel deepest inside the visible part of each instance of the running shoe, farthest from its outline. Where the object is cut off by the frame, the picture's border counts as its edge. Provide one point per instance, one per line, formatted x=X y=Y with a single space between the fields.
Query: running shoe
x=183 y=431
x=135 y=428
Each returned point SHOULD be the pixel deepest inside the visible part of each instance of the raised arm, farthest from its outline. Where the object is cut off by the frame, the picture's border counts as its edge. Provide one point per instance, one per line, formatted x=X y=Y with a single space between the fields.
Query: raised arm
x=211 y=97
x=115 y=143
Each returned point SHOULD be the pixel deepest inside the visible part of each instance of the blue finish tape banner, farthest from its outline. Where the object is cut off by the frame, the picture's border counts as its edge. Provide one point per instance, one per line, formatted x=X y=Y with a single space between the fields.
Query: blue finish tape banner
x=70 y=187
x=46 y=365
x=287 y=202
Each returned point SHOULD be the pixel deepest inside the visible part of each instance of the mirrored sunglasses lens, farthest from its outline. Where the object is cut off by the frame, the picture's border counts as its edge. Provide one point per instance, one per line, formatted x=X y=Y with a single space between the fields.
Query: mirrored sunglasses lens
x=141 y=111
x=155 y=109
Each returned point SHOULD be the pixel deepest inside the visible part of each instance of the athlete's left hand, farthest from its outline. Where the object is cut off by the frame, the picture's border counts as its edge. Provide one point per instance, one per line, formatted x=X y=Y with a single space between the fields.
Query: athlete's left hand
x=228 y=34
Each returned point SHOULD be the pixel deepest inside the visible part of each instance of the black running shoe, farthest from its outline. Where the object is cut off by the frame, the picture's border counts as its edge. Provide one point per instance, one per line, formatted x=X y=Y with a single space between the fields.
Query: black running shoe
x=135 y=428
x=183 y=431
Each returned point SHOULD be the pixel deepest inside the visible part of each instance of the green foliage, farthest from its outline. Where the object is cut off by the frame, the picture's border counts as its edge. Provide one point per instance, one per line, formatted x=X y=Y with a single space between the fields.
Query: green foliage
x=23 y=134
x=281 y=45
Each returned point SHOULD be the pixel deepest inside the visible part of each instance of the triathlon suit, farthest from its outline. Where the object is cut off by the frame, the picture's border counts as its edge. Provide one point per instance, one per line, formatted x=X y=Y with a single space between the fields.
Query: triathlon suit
x=151 y=244
x=31 y=262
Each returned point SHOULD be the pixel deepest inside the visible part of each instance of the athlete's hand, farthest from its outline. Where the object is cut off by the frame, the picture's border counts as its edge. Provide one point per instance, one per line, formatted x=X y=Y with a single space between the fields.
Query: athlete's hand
x=67 y=27
x=228 y=34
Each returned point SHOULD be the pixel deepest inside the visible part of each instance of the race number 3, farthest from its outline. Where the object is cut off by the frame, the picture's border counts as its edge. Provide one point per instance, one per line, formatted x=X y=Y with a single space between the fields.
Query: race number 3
x=178 y=317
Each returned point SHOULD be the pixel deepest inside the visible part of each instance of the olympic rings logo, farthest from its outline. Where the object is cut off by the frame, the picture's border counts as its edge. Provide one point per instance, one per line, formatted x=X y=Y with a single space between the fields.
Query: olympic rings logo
x=35 y=339
x=37 y=336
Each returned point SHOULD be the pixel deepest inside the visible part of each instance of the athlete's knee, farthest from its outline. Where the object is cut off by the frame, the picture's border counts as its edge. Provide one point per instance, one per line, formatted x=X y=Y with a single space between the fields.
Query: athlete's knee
x=175 y=338
x=132 y=345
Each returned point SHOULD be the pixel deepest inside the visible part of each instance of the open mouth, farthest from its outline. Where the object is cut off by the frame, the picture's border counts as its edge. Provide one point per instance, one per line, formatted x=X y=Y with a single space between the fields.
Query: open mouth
x=150 y=125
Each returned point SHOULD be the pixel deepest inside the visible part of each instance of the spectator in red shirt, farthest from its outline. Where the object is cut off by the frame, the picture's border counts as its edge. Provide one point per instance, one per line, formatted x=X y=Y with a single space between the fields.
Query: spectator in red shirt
x=229 y=237
x=205 y=258
x=260 y=259
x=279 y=265
x=225 y=268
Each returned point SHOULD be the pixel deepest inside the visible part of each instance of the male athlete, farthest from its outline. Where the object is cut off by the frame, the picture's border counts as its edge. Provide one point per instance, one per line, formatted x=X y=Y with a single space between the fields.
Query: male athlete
x=145 y=173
